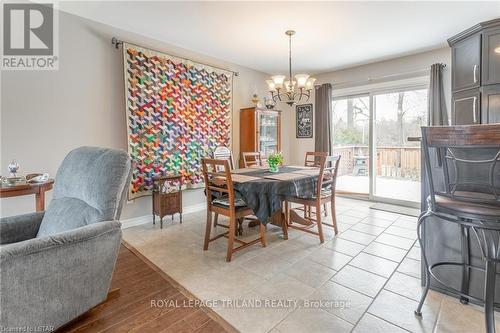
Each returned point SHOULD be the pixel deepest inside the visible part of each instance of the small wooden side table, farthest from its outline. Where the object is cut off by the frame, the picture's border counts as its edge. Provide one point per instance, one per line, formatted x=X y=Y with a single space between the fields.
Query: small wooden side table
x=38 y=189
x=167 y=197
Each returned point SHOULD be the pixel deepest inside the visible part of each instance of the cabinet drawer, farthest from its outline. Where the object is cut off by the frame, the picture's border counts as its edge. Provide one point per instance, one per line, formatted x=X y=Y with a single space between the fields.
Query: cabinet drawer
x=490 y=57
x=466 y=58
x=490 y=104
x=466 y=108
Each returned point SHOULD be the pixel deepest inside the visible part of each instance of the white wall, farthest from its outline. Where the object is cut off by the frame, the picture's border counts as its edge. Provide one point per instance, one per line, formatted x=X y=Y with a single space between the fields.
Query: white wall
x=45 y=114
x=358 y=75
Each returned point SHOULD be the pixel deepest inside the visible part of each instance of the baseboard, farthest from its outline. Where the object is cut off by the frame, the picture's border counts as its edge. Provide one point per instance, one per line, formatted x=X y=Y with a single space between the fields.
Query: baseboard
x=135 y=221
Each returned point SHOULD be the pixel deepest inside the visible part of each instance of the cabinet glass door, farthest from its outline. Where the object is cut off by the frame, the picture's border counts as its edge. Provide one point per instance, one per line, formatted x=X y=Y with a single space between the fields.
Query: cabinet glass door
x=268 y=133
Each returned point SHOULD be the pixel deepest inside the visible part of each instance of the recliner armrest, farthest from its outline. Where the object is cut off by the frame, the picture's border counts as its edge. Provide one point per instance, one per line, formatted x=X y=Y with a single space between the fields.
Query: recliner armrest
x=66 y=238
x=19 y=228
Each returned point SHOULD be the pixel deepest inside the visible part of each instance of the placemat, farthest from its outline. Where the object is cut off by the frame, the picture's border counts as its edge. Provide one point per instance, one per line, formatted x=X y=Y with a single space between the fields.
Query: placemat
x=284 y=176
x=309 y=172
x=244 y=170
x=301 y=167
x=243 y=178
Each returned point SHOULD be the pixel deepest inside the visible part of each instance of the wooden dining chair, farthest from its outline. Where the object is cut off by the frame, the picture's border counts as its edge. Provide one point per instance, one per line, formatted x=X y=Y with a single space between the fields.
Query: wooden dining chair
x=325 y=193
x=221 y=200
x=224 y=153
x=251 y=159
x=312 y=159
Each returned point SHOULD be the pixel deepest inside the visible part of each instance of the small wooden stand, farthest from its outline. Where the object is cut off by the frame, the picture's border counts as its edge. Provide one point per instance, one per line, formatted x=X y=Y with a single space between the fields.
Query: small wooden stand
x=167 y=203
x=38 y=189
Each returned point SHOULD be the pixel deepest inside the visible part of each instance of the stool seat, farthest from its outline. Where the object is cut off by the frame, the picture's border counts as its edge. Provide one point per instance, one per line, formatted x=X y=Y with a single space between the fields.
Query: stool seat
x=459 y=206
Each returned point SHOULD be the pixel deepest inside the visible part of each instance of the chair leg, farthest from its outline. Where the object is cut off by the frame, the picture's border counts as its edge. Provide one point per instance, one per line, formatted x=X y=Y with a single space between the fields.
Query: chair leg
x=334 y=216
x=230 y=238
x=216 y=218
x=262 y=229
x=326 y=211
x=489 y=296
x=421 y=219
x=161 y=222
x=207 y=230
x=319 y=223
x=239 y=230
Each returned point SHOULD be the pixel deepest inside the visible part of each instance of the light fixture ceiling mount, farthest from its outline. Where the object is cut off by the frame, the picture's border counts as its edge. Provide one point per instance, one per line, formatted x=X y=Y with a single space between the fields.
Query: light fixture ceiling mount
x=290 y=91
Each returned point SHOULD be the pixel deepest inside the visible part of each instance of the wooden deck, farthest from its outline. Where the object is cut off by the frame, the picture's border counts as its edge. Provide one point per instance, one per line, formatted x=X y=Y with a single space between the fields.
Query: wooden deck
x=130 y=309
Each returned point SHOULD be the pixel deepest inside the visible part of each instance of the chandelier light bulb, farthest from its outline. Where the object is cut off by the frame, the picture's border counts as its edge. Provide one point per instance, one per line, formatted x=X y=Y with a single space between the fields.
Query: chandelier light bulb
x=271 y=85
x=310 y=83
x=278 y=81
x=301 y=80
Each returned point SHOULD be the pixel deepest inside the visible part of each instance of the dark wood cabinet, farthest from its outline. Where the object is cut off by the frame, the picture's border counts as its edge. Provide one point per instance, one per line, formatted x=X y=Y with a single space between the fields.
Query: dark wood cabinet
x=490 y=100
x=491 y=57
x=466 y=107
x=466 y=58
x=476 y=74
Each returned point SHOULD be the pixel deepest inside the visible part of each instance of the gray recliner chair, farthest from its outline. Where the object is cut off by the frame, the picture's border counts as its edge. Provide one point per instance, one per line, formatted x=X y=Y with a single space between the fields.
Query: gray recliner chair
x=56 y=265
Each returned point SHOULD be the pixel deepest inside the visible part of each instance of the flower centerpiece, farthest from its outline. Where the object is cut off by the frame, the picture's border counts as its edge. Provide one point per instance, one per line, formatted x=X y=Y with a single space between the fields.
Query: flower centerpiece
x=274 y=160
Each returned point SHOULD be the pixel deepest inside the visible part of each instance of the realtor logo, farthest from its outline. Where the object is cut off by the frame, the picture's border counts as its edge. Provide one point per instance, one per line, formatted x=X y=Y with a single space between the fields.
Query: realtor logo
x=29 y=36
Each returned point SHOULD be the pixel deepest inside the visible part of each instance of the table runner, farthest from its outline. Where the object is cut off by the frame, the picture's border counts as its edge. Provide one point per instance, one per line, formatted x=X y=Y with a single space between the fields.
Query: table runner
x=265 y=196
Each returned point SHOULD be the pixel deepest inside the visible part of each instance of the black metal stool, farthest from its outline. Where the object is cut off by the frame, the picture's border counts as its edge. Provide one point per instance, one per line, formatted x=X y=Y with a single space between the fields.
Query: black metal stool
x=465 y=189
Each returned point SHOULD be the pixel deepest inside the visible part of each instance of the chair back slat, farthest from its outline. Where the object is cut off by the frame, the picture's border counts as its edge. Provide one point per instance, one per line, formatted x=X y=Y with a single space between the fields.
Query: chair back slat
x=329 y=166
x=224 y=153
x=462 y=162
x=313 y=158
x=251 y=159
x=218 y=181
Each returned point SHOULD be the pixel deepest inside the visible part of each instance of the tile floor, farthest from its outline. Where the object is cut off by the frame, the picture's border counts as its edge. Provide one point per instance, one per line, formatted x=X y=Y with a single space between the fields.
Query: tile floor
x=364 y=280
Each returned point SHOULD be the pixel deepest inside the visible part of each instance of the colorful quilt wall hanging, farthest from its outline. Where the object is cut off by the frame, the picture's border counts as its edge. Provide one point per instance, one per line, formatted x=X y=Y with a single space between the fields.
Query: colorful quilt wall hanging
x=178 y=112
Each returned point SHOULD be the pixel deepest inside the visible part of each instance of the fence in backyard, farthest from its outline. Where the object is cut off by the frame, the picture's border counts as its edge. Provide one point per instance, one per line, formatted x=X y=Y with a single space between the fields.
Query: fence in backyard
x=393 y=162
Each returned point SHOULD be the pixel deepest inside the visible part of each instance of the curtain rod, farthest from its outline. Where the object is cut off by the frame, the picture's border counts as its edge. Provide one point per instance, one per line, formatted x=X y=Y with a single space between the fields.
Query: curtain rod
x=371 y=79
x=117 y=42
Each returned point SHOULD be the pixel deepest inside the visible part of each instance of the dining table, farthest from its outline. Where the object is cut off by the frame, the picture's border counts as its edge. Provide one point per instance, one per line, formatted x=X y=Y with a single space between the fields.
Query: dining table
x=264 y=191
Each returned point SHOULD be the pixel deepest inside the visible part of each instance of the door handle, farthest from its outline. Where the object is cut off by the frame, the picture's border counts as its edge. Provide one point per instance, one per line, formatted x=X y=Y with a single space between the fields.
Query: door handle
x=475 y=73
x=414 y=138
x=474 y=116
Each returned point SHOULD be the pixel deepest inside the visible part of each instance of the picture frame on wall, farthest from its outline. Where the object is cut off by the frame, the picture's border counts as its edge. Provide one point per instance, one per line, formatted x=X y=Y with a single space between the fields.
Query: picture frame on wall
x=304 y=121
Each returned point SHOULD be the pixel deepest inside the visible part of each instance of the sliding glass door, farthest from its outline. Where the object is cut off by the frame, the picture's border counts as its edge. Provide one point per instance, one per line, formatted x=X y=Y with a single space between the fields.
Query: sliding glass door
x=350 y=124
x=397 y=116
x=370 y=132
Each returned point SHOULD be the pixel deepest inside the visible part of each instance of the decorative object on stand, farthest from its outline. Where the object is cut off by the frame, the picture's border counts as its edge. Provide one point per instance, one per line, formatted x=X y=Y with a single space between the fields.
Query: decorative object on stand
x=255 y=99
x=290 y=91
x=304 y=121
x=13 y=178
x=37 y=178
x=274 y=161
x=177 y=112
x=13 y=168
x=167 y=197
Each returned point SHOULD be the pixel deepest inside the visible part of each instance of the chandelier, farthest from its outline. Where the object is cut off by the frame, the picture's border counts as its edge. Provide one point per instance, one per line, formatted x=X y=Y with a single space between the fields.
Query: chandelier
x=290 y=91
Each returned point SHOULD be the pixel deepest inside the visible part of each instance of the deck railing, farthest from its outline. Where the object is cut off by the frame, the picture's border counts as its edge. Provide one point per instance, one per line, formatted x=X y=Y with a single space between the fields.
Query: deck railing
x=392 y=161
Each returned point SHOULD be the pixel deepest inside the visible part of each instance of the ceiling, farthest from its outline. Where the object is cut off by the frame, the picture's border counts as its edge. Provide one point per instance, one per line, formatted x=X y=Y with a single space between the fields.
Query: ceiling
x=330 y=35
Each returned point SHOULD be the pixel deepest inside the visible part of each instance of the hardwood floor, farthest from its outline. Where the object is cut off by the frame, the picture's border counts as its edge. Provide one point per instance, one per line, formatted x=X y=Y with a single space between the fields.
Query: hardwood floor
x=131 y=308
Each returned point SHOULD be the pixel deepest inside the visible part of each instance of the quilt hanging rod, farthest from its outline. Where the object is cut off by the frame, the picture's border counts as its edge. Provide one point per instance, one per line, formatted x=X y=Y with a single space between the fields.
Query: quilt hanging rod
x=116 y=42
